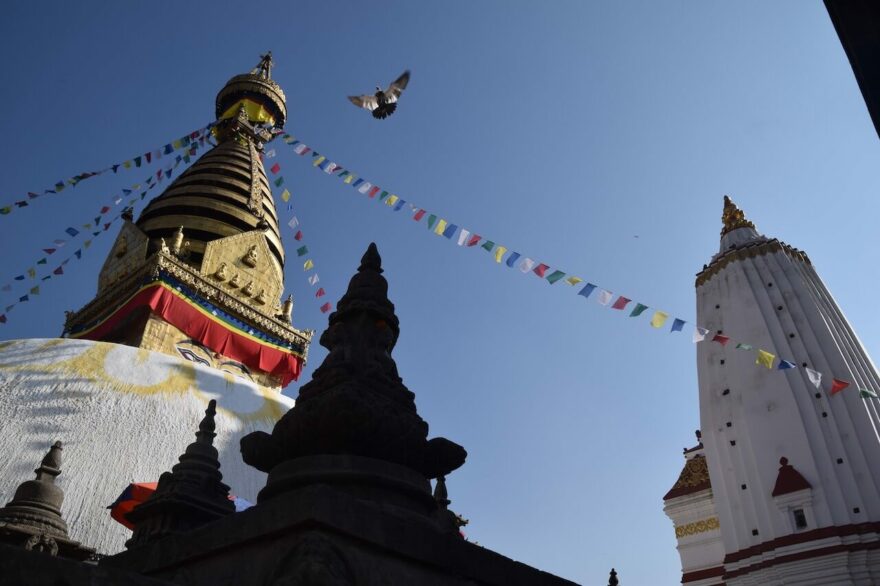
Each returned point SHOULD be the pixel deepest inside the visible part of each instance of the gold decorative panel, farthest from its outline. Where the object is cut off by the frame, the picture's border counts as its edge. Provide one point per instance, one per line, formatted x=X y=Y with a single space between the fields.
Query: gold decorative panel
x=696 y=527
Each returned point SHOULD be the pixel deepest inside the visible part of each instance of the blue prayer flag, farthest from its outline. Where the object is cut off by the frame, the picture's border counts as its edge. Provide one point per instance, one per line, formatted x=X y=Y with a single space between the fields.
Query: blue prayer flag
x=785 y=365
x=450 y=230
x=588 y=288
x=677 y=325
x=72 y=231
x=399 y=205
x=357 y=182
x=512 y=259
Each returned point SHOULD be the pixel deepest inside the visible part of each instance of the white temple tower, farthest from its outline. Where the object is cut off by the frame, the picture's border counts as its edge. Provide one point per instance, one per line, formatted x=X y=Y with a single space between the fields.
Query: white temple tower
x=795 y=469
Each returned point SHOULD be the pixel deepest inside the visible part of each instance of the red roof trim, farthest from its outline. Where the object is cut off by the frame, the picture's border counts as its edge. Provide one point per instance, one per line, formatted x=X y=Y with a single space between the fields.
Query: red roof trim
x=795 y=538
x=703 y=574
x=789 y=480
x=802 y=555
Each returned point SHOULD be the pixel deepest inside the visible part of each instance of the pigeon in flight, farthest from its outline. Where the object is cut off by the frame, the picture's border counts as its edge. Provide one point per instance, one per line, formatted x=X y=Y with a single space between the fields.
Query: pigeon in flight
x=384 y=102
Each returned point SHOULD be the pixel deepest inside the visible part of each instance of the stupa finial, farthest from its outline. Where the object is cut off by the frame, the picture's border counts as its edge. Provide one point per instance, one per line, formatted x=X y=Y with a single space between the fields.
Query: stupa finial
x=733 y=217
x=264 y=67
x=206 y=434
x=612 y=578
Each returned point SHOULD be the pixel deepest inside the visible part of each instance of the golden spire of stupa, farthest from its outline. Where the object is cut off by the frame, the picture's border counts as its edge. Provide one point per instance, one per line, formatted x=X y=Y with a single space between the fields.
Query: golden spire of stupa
x=733 y=217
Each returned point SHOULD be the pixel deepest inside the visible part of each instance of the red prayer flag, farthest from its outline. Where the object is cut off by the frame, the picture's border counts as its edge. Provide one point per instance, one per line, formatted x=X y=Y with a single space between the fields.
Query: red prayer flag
x=541 y=270
x=620 y=303
x=298 y=235
x=374 y=191
x=2 y=318
x=105 y=209
x=59 y=271
x=319 y=292
x=473 y=241
x=419 y=215
x=723 y=340
x=838 y=385
x=275 y=168
x=48 y=250
x=325 y=308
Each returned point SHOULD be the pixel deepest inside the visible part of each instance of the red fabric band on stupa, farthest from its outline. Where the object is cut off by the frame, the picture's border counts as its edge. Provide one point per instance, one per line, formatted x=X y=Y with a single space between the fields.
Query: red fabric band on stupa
x=206 y=329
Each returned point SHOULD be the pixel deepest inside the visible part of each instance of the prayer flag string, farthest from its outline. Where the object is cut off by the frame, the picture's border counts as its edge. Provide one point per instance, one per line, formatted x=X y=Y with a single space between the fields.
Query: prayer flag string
x=142 y=160
x=440 y=226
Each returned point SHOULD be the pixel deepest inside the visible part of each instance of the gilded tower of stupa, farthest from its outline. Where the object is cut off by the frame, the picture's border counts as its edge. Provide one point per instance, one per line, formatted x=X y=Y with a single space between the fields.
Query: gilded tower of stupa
x=201 y=273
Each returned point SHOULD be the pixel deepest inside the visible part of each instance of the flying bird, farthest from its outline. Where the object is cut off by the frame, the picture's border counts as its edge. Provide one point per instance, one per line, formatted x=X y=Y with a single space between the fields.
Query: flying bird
x=384 y=102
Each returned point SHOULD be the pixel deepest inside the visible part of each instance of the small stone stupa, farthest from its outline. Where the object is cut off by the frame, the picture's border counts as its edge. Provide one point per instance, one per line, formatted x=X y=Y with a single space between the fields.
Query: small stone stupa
x=33 y=518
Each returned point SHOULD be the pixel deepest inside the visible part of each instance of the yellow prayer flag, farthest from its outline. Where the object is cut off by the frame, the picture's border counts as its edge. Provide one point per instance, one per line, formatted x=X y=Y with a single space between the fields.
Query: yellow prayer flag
x=285 y=195
x=659 y=319
x=308 y=265
x=318 y=160
x=177 y=144
x=574 y=280
x=349 y=178
x=391 y=200
x=32 y=273
x=127 y=164
x=87 y=243
x=499 y=252
x=438 y=229
x=765 y=359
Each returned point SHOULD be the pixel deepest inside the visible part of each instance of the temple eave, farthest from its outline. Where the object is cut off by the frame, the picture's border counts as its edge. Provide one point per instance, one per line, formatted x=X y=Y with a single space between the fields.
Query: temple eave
x=751 y=250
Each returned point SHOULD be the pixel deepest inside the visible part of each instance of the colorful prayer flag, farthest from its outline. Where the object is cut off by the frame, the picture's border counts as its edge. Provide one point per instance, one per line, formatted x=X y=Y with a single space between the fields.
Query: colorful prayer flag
x=449 y=232
x=32 y=273
x=278 y=182
x=620 y=303
x=293 y=223
x=838 y=385
x=488 y=245
x=638 y=310
x=374 y=191
x=308 y=265
x=474 y=240
x=588 y=288
x=313 y=279
x=677 y=325
x=814 y=376
x=572 y=280
x=765 y=359
x=526 y=265
x=511 y=260
x=867 y=394
x=419 y=215
x=540 y=270
x=298 y=235
x=604 y=297
x=499 y=252
x=555 y=276
x=58 y=271
x=35 y=290
x=658 y=319
x=365 y=187
x=441 y=226
x=742 y=346
x=723 y=340
x=431 y=219
x=72 y=231
x=302 y=250
x=463 y=236
x=326 y=307
x=319 y=292
x=285 y=195
x=270 y=154
x=700 y=334
x=785 y=365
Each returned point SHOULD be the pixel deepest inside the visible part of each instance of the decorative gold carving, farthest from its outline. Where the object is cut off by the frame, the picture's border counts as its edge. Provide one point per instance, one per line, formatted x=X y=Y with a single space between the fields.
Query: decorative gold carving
x=220 y=273
x=750 y=251
x=233 y=282
x=248 y=289
x=251 y=257
x=177 y=243
x=696 y=527
x=733 y=217
x=260 y=297
x=255 y=204
x=163 y=246
x=287 y=309
x=127 y=255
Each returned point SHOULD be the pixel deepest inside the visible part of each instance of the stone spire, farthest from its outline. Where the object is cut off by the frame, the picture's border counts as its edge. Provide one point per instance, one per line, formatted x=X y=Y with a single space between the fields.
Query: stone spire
x=612 y=578
x=33 y=518
x=189 y=496
x=356 y=404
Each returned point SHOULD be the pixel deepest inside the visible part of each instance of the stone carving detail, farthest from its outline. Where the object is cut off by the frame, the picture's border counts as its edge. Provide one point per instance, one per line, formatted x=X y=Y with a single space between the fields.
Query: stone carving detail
x=248 y=289
x=251 y=257
x=356 y=402
x=260 y=297
x=700 y=526
x=121 y=247
x=233 y=282
x=42 y=543
x=163 y=246
x=220 y=274
x=316 y=562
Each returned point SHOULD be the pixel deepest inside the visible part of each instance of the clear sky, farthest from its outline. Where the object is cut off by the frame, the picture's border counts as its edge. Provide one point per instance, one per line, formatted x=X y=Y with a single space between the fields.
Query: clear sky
x=596 y=137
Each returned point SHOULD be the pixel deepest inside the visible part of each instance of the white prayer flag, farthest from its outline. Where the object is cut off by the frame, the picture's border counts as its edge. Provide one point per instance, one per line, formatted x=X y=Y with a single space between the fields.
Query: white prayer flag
x=463 y=236
x=700 y=334
x=270 y=154
x=526 y=265
x=298 y=149
x=604 y=297
x=118 y=200
x=313 y=279
x=814 y=376
x=365 y=187
x=293 y=223
x=330 y=168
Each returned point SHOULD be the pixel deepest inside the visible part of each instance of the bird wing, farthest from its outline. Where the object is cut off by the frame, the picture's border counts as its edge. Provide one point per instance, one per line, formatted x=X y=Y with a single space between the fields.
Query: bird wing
x=367 y=102
x=397 y=86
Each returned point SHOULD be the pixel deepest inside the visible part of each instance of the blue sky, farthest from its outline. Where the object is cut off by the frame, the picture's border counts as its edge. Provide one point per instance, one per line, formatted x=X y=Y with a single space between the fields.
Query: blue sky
x=598 y=138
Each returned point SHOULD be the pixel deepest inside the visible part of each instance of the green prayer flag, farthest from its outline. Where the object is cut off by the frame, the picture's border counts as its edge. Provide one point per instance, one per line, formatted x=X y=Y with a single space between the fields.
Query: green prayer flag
x=383 y=195
x=431 y=219
x=555 y=276
x=638 y=310
x=867 y=394
x=279 y=181
x=42 y=261
x=5 y=210
x=302 y=250
x=743 y=347
x=35 y=290
x=488 y=245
